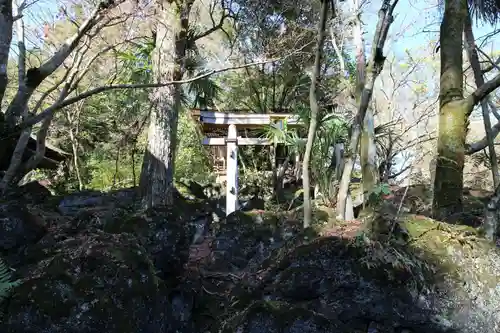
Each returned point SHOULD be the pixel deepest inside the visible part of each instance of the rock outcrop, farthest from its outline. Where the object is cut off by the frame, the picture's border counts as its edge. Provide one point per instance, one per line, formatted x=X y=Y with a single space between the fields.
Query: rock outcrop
x=94 y=262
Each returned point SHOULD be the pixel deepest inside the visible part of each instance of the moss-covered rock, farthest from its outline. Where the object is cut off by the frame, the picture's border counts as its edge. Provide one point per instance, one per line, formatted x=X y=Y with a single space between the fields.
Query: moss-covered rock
x=91 y=282
x=442 y=279
x=468 y=268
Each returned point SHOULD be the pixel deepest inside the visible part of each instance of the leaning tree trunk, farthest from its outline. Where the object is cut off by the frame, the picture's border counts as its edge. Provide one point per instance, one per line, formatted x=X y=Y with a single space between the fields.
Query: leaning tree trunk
x=479 y=80
x=368 y=149
x=453 y=117
x=157 y=174
x=374 y=69
x=313 y=100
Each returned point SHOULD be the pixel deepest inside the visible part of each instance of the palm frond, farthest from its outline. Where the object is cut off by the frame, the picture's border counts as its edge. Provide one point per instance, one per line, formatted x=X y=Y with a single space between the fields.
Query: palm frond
x=192 y=63
x=204 y=91
x=6 y=284
x=485 y=10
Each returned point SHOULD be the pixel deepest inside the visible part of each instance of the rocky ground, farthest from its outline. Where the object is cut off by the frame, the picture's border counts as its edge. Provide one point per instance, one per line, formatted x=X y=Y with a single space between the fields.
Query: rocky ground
x=93 y=262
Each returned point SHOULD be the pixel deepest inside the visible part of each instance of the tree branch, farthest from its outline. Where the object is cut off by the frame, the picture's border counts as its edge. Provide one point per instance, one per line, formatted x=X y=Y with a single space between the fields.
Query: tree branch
x=493 y=64
x=226 y=13
x=59 y=105
x=35 y=76
x=483 y=91
x=483 y=143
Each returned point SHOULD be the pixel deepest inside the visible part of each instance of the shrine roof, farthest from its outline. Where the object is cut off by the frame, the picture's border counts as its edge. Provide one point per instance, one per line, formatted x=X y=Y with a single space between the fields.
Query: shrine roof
x=209 y=119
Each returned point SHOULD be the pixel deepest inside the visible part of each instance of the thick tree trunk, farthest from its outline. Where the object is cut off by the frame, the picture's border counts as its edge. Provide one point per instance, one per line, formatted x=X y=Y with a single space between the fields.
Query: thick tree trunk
x=15 y=161
x=6 y=22
x=313 y=100
x=453 y=114
x=448 y=179
x=479 y=79
x=157 y=174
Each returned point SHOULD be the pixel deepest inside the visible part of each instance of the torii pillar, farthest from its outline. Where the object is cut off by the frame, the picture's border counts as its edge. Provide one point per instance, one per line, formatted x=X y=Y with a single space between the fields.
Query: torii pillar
x=232 y=170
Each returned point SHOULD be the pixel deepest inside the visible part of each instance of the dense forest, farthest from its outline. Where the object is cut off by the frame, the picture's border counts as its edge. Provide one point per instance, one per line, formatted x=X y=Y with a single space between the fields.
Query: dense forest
x=375 y=210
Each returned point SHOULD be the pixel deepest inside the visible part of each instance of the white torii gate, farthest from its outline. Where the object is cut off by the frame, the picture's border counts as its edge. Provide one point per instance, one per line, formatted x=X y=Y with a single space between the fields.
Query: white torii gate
x=233 y=121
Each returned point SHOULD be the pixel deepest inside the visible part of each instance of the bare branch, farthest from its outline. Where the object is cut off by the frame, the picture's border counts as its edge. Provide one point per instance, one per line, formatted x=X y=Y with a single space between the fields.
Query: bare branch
x=338 y=51
x=493 y=64
x=216 y=25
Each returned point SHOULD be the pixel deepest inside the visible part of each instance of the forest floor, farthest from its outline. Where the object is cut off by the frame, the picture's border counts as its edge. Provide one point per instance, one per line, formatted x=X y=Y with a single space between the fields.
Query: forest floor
x=94 y=261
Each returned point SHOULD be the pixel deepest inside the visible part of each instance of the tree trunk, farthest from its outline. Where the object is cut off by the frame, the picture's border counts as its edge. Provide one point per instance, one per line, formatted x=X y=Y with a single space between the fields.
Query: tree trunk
x=453 y=114
x=479 y=79
x=368 y=156
x=280 y=175
x=274 y=169
x=15 y=161
x=74 y=149
x=6 y=22
x=375 y=66
x=157 y=174
x=313 y=100
x=41 y=140
x=492 y=216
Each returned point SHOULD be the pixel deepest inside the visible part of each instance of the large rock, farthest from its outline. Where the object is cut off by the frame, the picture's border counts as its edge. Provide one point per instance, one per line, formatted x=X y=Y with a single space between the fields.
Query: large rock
x=73 y=204
x=443 y=279
x=19 y=228
x=103 y=268
x=244 y=240
x=90 y=282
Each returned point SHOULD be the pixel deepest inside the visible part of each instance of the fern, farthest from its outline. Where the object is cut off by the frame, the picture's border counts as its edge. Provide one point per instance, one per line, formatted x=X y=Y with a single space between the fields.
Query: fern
x=5 y=281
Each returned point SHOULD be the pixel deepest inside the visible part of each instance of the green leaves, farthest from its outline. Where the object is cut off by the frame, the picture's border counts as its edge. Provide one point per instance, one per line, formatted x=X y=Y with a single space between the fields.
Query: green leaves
x=382 y=189
x=136 y=62
x=6 y=284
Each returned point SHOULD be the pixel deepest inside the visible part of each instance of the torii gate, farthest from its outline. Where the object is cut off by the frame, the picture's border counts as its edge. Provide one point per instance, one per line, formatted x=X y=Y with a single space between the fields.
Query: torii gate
x=233 y=123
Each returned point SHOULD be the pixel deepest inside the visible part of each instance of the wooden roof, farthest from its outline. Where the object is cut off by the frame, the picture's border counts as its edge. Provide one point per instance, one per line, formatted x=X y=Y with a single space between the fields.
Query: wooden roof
x=210 y=120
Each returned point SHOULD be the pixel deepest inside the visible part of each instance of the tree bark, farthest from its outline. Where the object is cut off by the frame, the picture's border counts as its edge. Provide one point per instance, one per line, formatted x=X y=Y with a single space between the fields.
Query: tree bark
x=368 y=156
x=6 y=22
x=313 y=101
x=492 y=216
x=453 y=114
x=479 y=79
x=76 y=165
x=368 y=149
x=157 y=174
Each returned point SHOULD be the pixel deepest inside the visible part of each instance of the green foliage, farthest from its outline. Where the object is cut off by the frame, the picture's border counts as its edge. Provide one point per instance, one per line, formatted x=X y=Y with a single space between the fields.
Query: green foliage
x=6 y=284
x=192 y=158
x=377 y=195
x=331 y=130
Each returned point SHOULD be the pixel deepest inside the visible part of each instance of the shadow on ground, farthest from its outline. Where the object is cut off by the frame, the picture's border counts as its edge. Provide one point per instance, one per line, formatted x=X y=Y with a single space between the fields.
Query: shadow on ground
x=94 y=262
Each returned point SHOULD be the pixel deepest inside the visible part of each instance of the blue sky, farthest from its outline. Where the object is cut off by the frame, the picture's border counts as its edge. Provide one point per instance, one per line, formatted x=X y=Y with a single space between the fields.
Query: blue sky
x=416 y=24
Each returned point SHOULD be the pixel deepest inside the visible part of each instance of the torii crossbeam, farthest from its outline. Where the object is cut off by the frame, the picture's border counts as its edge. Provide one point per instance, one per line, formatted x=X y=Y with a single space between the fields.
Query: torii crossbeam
x=233 y=123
